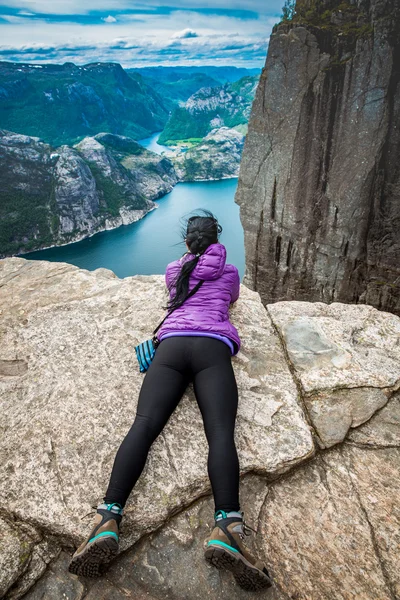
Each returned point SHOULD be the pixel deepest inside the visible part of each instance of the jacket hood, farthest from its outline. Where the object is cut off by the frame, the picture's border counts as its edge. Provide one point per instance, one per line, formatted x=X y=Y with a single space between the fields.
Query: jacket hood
x=211 y=263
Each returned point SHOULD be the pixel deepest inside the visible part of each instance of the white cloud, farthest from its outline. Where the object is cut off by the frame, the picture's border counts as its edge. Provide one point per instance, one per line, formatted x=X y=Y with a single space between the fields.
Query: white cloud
x=140 y=52
x=160 y=26
x=180 y=37
x=13 y=19
x=68 y=7
x=77 y=7
x=184 y=34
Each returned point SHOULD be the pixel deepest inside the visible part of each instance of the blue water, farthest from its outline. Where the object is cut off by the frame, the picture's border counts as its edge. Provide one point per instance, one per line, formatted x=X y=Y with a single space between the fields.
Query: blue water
x=151 y=143
x=147 y=246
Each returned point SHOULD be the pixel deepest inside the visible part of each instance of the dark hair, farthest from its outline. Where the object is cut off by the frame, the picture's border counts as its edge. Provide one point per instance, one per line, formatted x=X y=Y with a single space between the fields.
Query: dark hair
x=199 y=231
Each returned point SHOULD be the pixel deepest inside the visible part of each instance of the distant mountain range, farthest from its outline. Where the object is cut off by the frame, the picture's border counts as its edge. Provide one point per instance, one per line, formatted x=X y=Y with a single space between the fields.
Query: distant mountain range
x=177 y=90
x=219 y=74
x=69 y=162
x=64 y=103
x=226 y=105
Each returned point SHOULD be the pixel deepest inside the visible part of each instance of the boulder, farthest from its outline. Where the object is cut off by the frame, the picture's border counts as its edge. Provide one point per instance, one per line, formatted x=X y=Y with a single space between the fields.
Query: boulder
x=342 y=360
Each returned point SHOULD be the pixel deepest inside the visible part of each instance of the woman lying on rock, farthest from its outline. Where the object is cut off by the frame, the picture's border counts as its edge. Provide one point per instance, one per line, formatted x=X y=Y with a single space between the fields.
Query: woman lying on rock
x=197 y=341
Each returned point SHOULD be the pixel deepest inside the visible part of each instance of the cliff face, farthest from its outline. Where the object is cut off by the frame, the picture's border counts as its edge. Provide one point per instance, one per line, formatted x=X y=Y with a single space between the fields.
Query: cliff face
x=216 y=157
x=310 y=376
x=319 y=179
x=54 y=196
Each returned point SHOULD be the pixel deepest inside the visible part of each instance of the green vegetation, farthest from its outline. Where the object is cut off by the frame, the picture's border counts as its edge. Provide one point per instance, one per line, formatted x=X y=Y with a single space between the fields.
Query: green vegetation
x=242 y=128
x=25 y=201
x=288 y=10
x=345 y=19
x=64 y=103
x=230 y=104
x=114 y=195
x=191 y=168
x=122 y=146
x=189 y=142
x=183 y=126
x=195 y=166
x=174 y=92
x=30 y=217
x=24 y=216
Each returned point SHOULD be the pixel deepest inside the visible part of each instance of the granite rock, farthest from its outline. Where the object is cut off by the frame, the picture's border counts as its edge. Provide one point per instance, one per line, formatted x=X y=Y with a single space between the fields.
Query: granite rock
x=342 y=361
x=330 y=529
x=217 y=156
x=318 y=183
x=67 y=353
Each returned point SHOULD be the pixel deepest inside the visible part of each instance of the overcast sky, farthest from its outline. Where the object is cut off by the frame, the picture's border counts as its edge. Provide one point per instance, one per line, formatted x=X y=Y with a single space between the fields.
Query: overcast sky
x=163 y=32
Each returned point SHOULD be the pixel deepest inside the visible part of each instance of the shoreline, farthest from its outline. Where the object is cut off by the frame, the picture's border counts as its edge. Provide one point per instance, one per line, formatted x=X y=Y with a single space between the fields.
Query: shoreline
x=212 y=179
x=81 y=237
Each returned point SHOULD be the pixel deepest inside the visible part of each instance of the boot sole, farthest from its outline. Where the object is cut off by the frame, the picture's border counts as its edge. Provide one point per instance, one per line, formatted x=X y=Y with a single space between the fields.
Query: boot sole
x=94 y=557
x=246 y=575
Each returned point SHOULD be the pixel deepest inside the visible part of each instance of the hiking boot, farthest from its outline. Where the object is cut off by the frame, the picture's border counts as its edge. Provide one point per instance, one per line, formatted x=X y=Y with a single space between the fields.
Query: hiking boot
x=102 y=544
x=226 y=549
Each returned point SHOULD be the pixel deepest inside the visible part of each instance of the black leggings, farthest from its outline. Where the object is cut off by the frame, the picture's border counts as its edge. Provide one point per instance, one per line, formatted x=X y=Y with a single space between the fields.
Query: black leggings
x=178 y=360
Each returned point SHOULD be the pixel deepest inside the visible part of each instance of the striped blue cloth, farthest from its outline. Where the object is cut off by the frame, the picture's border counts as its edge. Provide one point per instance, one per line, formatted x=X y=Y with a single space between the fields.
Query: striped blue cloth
x=145 y=353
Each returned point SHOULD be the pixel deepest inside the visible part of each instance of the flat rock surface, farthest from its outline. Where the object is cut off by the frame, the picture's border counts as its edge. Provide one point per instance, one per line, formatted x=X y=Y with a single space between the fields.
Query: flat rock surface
x=346 y=359
x=383 y=430
x=339 y=345
x=322 y=531
x=70 y=383
x=168 y=563
x=331 y=529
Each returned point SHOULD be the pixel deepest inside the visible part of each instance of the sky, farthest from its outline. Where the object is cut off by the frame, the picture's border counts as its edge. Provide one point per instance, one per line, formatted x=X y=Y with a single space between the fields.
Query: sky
x=138 y=34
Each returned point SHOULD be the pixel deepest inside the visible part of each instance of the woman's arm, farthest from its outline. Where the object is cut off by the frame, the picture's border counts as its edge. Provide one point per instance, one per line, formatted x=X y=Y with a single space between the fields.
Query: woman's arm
x=172 y=271
x=236 y=287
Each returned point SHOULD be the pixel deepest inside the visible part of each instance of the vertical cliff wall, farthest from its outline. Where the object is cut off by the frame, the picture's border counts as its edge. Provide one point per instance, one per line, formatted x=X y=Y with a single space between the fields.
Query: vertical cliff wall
x=319 y=188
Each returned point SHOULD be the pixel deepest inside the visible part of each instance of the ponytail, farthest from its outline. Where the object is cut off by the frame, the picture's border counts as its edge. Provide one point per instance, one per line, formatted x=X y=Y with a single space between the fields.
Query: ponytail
x=199 y=233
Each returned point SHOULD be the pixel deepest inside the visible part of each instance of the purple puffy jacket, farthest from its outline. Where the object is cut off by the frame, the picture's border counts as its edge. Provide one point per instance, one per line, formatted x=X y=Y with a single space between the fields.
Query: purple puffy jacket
x=208 y=309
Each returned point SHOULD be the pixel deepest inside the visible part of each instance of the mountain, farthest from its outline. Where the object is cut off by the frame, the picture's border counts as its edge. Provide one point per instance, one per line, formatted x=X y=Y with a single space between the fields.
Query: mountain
x=220 y=74
x=217 y=156
x=177 y=90
x=228 y=105
x=64 y=103
x=52 y=196
x=319 y=179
